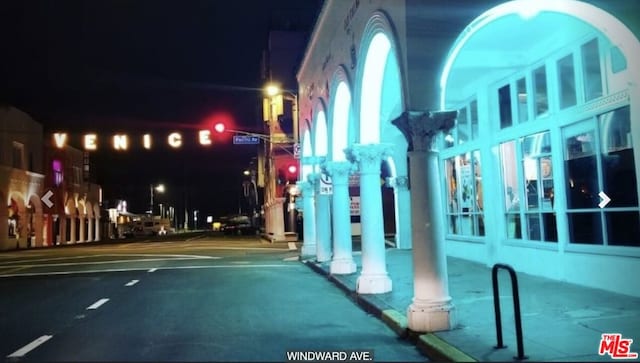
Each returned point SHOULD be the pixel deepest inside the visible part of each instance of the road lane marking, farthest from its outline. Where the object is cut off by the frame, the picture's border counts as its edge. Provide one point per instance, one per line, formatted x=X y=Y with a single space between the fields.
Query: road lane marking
x=236 y=248
x=98 y=304
x=132 y=282
x=29 y=347
x=153 y=270
x=31 y=274
x=292 y=258
x=159 y=258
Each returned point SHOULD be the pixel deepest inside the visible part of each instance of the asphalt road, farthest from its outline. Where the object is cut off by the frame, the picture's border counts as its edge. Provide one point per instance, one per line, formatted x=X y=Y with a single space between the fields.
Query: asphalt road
x=205 y=298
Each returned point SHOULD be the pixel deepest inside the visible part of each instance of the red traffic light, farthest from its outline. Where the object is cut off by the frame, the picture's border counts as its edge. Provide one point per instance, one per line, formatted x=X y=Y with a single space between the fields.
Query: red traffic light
x=219 y=127
x=292 y=169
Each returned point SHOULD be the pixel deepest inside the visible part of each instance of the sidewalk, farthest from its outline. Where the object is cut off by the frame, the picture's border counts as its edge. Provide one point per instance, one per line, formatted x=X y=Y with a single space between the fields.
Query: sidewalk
x=560 y=321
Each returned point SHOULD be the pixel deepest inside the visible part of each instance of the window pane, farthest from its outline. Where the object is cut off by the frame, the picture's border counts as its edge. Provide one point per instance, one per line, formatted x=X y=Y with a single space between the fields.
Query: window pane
x=504 y=99
x=473 y=110
x=591 y=71
x=463 y=126
x=523 y=100
x=510 y=176
x=540 y=87
x=566 y=82
x=585 y=228
x=623 y=228
x=618 y=163
x=514 y=229
x=533 y=227
x=550 y=227
x=452 y=183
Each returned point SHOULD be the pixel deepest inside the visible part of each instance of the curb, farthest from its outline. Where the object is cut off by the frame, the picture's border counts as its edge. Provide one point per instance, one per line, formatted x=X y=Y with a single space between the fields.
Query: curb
x=428 y=344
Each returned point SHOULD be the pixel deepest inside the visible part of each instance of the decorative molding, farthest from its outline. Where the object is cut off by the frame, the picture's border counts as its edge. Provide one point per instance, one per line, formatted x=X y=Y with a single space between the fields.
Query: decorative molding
x=621 y=98
x=398 y=182
x=420 y=127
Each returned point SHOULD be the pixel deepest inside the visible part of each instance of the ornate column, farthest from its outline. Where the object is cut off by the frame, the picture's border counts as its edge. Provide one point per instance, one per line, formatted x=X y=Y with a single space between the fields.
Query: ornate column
x=90 y=229
x=72 y=235
x=432 y=308
x=402 y=200
x=97 y=235
x=308 y=218
x=342 y=261
x=373 y=278
x=83 y=229
x=323 y=221
x=38 y=229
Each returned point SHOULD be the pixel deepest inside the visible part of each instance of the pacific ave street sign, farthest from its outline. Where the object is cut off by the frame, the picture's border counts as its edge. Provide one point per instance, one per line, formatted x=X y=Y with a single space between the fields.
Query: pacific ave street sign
x=245 y=140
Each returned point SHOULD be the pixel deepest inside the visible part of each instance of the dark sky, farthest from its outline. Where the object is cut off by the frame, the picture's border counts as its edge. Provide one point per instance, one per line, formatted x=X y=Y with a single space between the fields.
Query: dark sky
x=147 y=65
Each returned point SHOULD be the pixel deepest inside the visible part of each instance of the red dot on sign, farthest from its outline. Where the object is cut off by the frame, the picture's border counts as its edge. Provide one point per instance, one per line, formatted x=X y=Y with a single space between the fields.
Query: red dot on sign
x=292 y=169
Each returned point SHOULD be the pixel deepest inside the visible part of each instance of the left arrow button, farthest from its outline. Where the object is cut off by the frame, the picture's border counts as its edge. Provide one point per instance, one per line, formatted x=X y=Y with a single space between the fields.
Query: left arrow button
x=46 y=199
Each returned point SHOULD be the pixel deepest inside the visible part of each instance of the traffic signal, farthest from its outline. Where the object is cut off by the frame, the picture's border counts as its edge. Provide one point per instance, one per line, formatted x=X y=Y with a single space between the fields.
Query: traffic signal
x=219 y=127
x=288 y=175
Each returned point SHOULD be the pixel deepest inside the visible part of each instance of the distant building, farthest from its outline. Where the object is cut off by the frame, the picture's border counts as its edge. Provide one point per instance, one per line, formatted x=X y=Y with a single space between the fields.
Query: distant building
x=48 y=200
x=76 y=215
x=277 y=167
x=21 y=180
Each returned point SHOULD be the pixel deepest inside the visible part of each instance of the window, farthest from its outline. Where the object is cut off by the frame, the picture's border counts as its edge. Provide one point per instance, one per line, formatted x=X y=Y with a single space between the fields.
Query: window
x=504 y=100
x=566 y=82
x=523 y=100
x=599 y=158
x=540 y=88
x=18 y=156
x=529 y=205
x=465 y=200
x=56 y=167
x=466 y=127
x=591 y=70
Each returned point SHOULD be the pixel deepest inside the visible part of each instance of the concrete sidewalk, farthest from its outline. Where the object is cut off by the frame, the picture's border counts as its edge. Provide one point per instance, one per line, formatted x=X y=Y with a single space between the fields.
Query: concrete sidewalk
x=560 y=321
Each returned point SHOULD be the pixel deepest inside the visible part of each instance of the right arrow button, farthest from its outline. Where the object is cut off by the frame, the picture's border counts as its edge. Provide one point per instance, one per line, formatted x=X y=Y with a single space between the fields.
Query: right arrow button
x=605 y=200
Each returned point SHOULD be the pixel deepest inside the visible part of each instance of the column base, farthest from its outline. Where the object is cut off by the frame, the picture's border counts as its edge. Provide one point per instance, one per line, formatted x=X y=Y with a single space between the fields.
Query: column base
x=373 y=284
x=428 y=317
x=308 y=250
x=342 y=267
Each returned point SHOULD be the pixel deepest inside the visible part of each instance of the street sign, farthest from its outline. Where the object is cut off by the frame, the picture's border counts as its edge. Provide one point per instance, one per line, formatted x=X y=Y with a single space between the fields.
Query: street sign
x=296 y=150
x=326 y=187
x=245 y=140
x=46 y=199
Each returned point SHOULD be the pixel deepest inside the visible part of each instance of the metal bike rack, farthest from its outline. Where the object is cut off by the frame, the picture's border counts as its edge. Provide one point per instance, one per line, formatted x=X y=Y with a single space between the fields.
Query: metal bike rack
x=516 y=308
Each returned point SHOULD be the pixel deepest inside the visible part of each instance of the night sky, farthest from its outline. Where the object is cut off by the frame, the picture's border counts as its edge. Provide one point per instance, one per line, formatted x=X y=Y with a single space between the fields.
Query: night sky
x=153 y=66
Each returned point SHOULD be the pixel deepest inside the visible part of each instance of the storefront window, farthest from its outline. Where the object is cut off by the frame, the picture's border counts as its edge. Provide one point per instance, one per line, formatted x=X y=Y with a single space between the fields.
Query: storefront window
x=466 y=127
x=599 y=158
x=464 y=195
x=511 y=188
x=504 y=99
x=529 y=205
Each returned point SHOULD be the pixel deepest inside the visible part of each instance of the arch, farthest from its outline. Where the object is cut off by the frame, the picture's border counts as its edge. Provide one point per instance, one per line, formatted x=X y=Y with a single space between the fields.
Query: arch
x=307 y=152
x=526 y=10
x=320 y=135
x=380 y=91
x=341 y=115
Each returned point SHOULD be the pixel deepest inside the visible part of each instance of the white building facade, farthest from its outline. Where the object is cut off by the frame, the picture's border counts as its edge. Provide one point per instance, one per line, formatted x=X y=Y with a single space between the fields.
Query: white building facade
x=547 y=130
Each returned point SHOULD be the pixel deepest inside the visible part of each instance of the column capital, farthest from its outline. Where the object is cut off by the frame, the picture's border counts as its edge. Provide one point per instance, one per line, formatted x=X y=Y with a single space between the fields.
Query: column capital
x=339 y=168
x=419 y=127
x=364 y=154
x=305 y=187
x=398 y=182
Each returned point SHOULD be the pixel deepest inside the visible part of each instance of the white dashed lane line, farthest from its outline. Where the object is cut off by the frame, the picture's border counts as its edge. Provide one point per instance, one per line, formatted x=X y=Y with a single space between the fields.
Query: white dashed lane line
x=132 y=282
x=97 y=304
x=153 y=270
x=29 y=347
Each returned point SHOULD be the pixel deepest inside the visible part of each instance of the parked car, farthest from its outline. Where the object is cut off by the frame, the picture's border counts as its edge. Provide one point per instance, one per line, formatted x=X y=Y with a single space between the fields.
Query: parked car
x=239 y=225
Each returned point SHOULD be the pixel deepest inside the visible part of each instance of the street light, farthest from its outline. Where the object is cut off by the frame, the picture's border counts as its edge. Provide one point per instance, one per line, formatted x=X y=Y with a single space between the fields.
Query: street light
x=273 y=89
x=160 y=189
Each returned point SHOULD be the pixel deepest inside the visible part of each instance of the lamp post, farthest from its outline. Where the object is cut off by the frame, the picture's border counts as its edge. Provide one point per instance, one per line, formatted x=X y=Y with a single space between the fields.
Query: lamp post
x=160 y=189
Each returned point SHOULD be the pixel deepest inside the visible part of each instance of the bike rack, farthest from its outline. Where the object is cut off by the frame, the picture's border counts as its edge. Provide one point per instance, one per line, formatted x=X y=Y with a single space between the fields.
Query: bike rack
x=516 y=308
